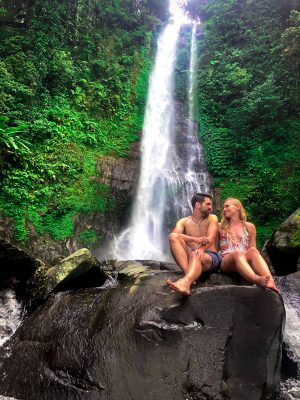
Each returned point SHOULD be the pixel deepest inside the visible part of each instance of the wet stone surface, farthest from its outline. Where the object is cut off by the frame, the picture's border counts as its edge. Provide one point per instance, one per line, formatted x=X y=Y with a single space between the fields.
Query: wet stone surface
x=140 y=340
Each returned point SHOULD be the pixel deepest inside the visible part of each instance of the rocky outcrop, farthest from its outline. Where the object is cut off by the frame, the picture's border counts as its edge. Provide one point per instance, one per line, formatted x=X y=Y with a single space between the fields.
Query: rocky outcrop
x=76 y=271
x=121 y=175
x=139 y=340
x=17 y=267
x=283 y=248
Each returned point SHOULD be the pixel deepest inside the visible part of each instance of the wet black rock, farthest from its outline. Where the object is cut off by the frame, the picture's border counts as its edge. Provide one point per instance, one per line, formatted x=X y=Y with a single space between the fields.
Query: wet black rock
x=283 y=249
x=139 y=340
x=79 y=270
x=17 y=267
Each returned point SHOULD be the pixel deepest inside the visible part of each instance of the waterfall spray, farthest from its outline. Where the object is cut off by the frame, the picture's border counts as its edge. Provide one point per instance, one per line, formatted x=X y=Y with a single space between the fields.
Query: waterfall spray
x=172 y=167
x=143 y=239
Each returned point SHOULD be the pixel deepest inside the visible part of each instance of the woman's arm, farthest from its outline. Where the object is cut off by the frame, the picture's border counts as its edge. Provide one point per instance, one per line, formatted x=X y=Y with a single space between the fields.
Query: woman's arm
x=252 y=234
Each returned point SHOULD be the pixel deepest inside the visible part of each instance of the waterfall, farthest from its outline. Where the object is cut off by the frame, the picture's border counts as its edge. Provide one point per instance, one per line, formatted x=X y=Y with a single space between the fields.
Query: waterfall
x=192 y=173
x=191 y=90
x=172 y=167
x=144 y=237
x=291 y=296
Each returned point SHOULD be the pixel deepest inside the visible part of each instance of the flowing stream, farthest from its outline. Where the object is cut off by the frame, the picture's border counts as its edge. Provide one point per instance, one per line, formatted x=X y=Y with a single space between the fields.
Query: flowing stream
x=291 y=296
x=10 y=314
x=172 y=165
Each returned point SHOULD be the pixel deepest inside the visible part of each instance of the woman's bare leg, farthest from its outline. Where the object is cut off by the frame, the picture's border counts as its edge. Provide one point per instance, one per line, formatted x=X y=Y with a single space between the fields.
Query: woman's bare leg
x=237 y=262
x=260 y=266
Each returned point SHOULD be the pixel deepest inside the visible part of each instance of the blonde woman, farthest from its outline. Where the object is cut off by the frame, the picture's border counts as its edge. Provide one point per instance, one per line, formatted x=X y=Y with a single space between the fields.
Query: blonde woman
x=238 y=246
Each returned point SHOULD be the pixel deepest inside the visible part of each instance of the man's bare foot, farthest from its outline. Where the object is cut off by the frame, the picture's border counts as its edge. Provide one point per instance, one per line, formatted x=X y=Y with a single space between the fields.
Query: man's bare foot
x=261 y=281
x=181 y=286
x=271 y=285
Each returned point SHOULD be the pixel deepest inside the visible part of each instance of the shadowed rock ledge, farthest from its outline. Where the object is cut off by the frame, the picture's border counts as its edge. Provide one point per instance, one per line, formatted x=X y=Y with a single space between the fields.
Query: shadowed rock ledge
x=139 y=340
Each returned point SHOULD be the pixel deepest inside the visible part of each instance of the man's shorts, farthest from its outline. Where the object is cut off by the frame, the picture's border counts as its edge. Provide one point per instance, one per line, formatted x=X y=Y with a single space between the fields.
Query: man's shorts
x=215 y=261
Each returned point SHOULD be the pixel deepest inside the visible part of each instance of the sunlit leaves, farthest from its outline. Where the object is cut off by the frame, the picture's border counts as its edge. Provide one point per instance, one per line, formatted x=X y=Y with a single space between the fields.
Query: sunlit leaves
x=11 y=141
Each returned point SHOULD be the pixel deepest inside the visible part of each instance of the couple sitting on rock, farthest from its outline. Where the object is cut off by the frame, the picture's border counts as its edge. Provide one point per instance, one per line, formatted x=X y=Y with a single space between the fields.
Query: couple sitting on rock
x=194 y=242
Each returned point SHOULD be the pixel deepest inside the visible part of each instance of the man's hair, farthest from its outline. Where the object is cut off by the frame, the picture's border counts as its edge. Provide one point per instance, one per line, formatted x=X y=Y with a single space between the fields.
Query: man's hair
x=199 y=198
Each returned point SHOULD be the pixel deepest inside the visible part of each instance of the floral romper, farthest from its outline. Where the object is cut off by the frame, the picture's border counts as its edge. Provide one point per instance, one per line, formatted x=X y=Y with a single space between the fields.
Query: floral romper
x=227 y=245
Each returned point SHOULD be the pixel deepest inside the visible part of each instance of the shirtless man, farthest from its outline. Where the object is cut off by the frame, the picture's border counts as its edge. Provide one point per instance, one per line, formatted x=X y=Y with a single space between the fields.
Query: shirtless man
x=193 y=243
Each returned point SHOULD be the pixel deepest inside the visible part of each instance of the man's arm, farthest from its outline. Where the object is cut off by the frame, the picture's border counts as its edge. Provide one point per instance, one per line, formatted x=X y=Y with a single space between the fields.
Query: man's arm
x=212 y=232
x=179 y=228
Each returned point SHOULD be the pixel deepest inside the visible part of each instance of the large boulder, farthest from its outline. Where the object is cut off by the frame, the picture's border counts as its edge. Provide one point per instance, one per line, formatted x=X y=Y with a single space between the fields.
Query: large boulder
x=139 y=340
x=283 y=248
x=78 y=270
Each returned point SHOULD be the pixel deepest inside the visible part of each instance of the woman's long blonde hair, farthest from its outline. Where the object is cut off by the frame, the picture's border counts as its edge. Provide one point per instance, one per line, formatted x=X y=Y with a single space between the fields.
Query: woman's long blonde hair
x=225 y=225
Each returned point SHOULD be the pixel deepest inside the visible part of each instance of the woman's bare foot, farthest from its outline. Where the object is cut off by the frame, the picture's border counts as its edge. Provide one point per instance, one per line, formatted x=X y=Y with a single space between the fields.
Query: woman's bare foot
x=261 y=281
x=271 y=285
x=181 y=286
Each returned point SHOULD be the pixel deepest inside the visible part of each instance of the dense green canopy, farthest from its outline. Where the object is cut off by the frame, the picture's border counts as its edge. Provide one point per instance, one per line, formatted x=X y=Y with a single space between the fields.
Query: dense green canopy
x=249 y=102
x=73 y=83
x=74 y=77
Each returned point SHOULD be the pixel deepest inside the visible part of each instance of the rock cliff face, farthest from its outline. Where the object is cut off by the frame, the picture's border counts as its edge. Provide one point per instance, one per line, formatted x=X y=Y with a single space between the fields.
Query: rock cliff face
x=138 y=340
x=121 y=174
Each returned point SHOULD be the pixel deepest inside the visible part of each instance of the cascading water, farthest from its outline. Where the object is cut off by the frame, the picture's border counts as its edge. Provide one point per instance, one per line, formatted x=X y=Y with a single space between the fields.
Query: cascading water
x=172 y=167
x=191 y=175
x=291 y=297
x=143 y=238
x=10 y=314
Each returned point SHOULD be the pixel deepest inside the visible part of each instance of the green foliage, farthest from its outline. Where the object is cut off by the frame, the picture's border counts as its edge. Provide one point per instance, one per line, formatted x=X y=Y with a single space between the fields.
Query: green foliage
x=11 y=143
x=248 y=104
x=73 y=85
x=141 y=77
x=88 y=238
x=295 y=239
x=183 y=65
x=58 y=226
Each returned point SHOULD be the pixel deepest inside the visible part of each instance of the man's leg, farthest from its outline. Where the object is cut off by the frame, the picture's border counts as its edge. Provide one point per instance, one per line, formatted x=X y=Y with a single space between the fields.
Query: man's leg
x=196 y=265
x=180 y=251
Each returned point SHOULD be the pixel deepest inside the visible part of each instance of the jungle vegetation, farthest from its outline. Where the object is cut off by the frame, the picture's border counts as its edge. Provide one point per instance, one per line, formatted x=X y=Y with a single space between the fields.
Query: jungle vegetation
x=249 y=103
x=73 y=83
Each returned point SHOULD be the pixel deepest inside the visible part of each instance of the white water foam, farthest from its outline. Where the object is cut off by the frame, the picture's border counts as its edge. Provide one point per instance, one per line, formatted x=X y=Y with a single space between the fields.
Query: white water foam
x=290 y=388
x=10 y=314
x=172 y=167
x=192 y=174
